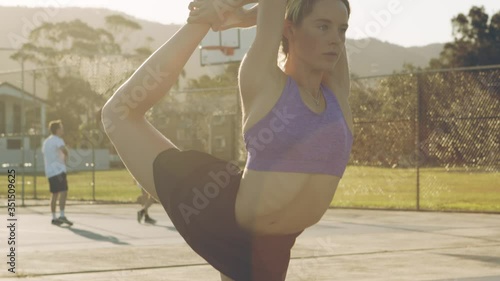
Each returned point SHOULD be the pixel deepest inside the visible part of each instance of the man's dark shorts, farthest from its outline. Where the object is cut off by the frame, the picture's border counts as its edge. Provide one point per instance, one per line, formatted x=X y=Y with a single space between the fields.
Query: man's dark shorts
x=58 y=183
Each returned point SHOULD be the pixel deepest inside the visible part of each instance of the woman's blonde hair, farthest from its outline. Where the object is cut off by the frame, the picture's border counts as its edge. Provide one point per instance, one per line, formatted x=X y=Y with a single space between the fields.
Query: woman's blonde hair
x=297 y=10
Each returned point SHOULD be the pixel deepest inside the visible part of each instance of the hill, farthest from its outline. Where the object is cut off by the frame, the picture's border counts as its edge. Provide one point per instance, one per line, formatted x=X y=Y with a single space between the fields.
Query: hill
x=381 y=58
x=369 y=56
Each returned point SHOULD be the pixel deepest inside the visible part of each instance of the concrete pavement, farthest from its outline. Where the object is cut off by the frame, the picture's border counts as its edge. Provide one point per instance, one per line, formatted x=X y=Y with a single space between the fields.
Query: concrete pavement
x=107 y=243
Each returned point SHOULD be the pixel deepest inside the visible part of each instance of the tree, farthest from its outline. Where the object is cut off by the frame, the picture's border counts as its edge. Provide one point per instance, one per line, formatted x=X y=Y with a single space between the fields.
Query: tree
x=227 y=79
x=384 y=108
x=121 y=27
x=191 y=110
x=73 y=102
x=64 y=47
x=50 y=43
x=476 y=41
x=458 y=102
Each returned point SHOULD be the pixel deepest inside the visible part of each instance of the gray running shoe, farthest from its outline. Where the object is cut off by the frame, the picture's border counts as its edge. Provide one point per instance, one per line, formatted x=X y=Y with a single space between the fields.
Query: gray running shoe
x=149 y=220
x=65 y=220
x=140 y=214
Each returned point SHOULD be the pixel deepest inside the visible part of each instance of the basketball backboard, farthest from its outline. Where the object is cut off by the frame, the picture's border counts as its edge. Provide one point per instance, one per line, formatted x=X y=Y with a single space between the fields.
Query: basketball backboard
x=239 y=40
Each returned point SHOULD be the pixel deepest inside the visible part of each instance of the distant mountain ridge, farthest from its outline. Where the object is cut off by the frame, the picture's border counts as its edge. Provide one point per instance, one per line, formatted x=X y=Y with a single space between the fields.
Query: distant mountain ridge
x=375 y=58
x=382 y=58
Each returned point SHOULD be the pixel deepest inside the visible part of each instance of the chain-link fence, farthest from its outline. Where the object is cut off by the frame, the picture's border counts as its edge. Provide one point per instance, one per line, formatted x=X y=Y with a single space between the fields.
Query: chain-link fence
x=203 y=119
x=26 y=109
x=426 y=140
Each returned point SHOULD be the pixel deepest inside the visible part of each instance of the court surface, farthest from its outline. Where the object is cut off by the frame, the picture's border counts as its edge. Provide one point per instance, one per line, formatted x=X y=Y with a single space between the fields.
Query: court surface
x=107 y=243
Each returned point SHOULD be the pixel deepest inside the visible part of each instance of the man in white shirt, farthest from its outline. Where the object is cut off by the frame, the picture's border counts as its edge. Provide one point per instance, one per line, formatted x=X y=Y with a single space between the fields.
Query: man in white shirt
x=55 y=155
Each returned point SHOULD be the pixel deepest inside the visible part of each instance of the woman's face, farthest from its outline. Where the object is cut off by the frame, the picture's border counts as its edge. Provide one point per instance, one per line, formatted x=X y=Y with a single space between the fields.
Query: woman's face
x=320 y=39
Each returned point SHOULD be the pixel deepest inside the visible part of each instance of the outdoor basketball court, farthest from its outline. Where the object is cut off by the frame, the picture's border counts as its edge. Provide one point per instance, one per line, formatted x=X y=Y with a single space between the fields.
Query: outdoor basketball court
x=107 y=243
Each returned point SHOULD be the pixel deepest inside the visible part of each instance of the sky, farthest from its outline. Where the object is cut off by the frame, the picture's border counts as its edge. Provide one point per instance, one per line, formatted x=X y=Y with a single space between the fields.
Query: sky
x=403 y=22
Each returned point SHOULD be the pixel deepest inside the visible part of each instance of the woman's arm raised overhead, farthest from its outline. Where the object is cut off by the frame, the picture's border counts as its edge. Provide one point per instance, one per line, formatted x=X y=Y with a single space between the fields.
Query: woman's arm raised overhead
x=135 y=139
x=263 y=53
x=260 y=62
x=154 y=78
x=259 y=67
x=270 y=23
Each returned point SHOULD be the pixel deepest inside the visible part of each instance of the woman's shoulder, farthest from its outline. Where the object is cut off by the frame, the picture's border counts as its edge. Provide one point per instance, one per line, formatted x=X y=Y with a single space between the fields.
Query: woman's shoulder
x=258 y=102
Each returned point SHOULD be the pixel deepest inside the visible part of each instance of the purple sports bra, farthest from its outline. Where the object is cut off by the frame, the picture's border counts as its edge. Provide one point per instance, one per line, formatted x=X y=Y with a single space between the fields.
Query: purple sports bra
x=292 y=138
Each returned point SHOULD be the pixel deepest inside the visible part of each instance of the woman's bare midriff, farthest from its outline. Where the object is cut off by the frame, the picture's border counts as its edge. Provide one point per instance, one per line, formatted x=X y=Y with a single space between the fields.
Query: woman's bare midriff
x=282 y=203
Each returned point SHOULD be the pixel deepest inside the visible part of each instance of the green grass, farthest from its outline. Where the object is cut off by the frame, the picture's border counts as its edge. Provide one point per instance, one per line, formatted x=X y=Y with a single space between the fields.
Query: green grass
x=440 y=189
x=361 y=187
x=112 y=185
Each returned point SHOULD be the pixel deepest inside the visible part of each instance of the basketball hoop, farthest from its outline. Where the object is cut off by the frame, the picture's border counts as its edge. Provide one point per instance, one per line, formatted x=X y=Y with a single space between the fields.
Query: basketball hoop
x=227 y=51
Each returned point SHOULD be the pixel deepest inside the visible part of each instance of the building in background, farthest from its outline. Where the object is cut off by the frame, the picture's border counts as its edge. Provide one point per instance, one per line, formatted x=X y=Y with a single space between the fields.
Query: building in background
x=23 y=124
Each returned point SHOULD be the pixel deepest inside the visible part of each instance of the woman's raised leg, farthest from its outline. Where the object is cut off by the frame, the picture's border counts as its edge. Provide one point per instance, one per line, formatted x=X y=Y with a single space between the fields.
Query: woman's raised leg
x=123 y=116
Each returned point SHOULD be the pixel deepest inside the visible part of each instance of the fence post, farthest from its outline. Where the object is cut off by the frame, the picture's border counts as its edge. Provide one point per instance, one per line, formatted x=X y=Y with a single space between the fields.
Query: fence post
x=93 y=173
x=93 y=165
x=418 y=125
x=35 y=171
x=23 y=135
x=36 y=141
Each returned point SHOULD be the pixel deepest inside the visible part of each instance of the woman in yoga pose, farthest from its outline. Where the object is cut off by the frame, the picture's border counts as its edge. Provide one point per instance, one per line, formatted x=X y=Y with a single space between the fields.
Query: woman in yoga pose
x=297 y=128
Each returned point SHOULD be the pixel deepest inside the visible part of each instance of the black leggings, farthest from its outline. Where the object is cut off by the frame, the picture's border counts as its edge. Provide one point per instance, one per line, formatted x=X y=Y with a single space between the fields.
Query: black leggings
x=198 y=192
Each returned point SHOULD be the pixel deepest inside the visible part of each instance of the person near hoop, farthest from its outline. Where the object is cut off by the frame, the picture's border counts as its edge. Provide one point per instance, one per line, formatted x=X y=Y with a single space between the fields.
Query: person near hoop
x=296 y=123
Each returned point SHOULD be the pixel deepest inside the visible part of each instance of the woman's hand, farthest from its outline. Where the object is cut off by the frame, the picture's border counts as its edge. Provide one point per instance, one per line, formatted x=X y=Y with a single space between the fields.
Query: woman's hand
x=209 y=11
x=202 y=14
x=234 y=19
